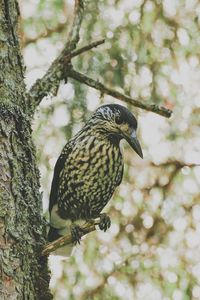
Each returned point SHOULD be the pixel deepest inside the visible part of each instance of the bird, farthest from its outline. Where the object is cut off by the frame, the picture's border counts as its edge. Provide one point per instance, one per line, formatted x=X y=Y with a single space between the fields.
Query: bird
x=88 y=170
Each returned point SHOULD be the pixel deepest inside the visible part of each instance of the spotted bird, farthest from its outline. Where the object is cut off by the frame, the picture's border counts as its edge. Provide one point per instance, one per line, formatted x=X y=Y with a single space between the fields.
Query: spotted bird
x=88 y=171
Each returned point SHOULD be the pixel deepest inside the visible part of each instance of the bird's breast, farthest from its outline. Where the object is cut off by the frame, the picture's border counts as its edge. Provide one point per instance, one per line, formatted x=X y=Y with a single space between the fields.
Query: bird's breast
x=97 y=161
x=91 y=175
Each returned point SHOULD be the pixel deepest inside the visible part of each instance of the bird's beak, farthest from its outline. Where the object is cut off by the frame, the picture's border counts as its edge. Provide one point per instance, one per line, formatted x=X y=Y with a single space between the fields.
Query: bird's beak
x=134 y=143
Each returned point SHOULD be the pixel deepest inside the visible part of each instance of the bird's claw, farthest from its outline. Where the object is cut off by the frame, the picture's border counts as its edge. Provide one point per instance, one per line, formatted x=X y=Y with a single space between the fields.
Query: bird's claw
x=76 y=233
x=105 y=222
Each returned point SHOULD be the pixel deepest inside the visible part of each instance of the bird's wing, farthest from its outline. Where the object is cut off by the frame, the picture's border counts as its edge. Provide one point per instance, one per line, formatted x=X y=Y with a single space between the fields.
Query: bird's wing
x=120 y=175
x=56 y=177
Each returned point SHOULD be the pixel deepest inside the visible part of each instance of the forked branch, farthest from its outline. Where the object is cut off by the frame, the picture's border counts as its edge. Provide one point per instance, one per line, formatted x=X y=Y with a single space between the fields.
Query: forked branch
x=61 y=69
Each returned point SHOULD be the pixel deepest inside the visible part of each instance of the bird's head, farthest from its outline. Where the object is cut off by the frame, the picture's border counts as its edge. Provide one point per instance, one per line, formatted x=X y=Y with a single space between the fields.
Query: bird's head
x=116 y=120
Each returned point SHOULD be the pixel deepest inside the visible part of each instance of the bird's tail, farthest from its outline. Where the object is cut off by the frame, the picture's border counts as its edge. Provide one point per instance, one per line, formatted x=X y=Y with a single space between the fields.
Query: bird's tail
x=53 y=234
x=64 y=251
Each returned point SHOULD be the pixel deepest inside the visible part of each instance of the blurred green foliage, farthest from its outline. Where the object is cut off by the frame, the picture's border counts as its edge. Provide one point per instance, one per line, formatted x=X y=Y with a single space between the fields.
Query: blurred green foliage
x=152 y=250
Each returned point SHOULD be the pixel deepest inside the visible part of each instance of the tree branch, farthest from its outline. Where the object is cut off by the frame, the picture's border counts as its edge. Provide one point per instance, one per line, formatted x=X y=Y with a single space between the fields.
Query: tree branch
x=67 y=239
x=49 y=83
x=61 y=69
x=74 y=33
x=99 y=86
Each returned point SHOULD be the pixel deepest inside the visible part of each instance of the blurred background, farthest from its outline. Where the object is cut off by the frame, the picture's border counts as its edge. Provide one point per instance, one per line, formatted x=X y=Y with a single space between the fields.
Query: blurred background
x=152 y=250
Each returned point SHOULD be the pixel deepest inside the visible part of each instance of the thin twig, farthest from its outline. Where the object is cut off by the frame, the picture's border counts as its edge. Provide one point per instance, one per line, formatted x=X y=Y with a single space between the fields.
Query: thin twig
x=99 y=86
x=67 y=239
x=86 y=48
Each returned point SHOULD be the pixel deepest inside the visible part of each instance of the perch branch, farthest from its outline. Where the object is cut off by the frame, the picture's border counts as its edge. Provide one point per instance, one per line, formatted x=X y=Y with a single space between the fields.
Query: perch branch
x=99 y=86
x=67 y=239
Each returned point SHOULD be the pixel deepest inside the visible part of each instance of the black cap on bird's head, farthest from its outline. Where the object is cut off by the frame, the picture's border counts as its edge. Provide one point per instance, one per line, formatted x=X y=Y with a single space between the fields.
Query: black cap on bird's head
x=119 y=121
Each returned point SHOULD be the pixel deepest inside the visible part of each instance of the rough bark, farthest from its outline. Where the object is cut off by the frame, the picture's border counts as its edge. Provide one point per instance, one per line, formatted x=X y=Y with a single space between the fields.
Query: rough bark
x=23 y=274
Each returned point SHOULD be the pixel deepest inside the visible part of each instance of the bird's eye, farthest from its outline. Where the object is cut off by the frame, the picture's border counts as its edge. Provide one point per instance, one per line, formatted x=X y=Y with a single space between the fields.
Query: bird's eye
x=118 y=120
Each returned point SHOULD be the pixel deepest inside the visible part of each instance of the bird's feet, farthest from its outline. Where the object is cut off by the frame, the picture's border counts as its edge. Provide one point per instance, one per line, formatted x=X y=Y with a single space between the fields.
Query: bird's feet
x=104 y=222
x=76 y=233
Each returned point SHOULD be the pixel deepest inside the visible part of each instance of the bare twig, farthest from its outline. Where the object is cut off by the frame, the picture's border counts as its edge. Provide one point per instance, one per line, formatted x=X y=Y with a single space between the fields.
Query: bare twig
x=67 y=239
x=99 y=86
x=86 y=48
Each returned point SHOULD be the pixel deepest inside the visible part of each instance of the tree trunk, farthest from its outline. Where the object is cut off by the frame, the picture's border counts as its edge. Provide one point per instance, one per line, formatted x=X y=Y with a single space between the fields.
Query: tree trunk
x=23 y=274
